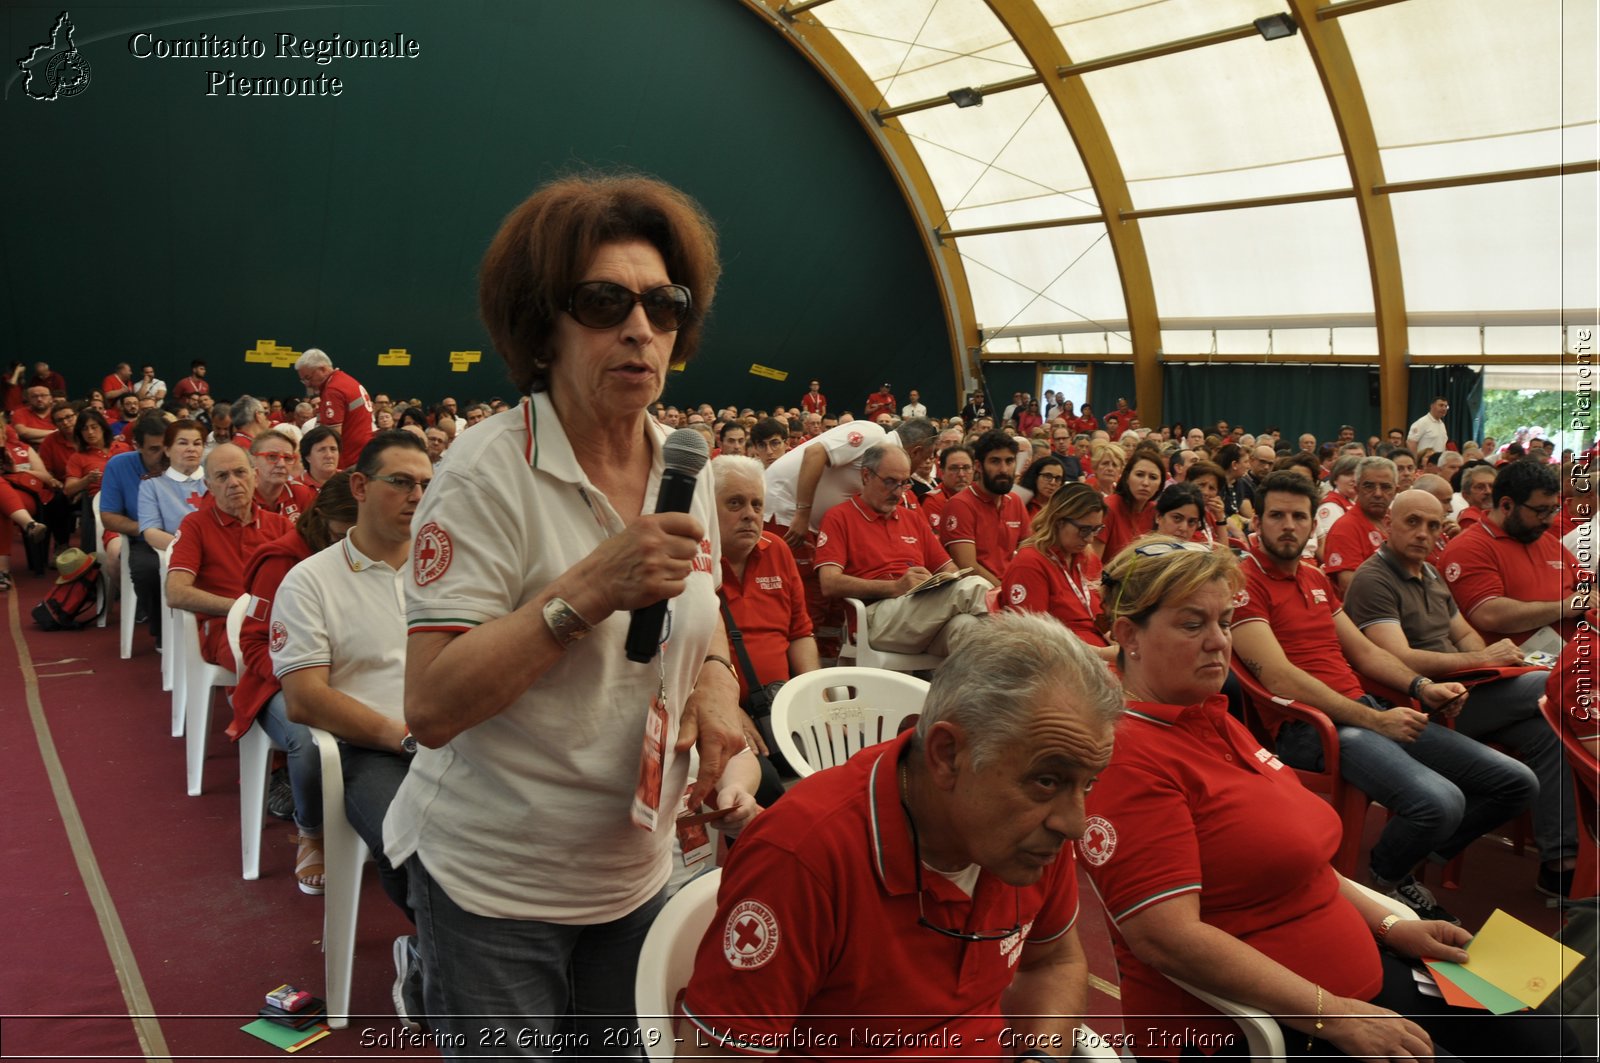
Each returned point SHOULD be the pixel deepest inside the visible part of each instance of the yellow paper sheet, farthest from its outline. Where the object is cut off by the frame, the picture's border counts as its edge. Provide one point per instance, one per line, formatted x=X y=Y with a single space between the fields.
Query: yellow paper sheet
x=395 y=356
x=768 y=372
x=1515 y=957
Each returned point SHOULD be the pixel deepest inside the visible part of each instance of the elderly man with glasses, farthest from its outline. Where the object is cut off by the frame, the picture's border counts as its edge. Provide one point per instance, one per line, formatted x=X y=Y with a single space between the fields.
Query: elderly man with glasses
x=1509 y=578
x=921 y=898
x=873 y=548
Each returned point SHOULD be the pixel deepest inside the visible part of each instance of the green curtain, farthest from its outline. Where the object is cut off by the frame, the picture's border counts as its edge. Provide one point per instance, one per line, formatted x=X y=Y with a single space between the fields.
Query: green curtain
x=1296 y=398
x=1108 y=382
x=1462 y=385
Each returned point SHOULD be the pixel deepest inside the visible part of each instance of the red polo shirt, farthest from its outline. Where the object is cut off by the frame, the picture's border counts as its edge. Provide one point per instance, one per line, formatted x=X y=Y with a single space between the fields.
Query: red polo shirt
x=933 y=504
x=55 y=450
x=1300 y=610
x=1191 y=803
x=814 y=403
x=1039 y=582
x=1484 y=562
x=993 y=525
x=24 y=417
x=344 y=405
x=214 y=547
x=815 y=943
x=293 y=500
x=879 y=402
x=868 y=546
x=769 y=606
x=1352 y=539
x=1123 y=526
x=111 y=385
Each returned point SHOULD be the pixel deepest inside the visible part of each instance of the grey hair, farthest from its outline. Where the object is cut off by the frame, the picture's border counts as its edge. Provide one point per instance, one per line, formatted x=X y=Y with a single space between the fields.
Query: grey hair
x=244 y=409
x=1345 y=465
x=874 y=455
x=1368 y=464
x=915 y=432
x=313 y=359
x=1002 y=668
x=724 y=466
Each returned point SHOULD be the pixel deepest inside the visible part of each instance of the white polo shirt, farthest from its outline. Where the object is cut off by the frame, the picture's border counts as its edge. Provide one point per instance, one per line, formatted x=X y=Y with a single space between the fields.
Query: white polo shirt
x=841 y=477
x=341 y=610
x=527 y=815
x=1427 y=432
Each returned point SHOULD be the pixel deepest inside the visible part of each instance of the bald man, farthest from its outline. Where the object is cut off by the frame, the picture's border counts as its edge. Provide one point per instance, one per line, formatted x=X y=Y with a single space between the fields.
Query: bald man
x=1400 y=603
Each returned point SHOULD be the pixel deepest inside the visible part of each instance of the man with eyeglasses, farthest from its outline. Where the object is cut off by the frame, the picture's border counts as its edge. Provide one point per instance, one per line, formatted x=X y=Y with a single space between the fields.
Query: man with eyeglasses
x=1061 y=446
x=276 y=460
x=342 y=403
x=338 y=641
x=55 y=448
x=955 y=476
x=32 y=422
x=871 y=547
x=206 y=571
x=921 y=898
x=1510 y=579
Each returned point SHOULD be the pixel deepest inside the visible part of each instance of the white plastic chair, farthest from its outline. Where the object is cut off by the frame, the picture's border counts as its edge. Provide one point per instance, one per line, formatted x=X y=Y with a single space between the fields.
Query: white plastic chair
x=200 y=678
x=1261 y=1031
x=859 y=649
x=822 y=718
x=343 y=855
x=130 y=601
x=103 y=591
x=171 y=660
x=666 y=960
x=255 y=765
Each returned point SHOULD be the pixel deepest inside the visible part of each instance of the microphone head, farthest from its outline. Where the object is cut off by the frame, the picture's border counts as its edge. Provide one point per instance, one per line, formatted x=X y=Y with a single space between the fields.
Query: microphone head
x=686 y=451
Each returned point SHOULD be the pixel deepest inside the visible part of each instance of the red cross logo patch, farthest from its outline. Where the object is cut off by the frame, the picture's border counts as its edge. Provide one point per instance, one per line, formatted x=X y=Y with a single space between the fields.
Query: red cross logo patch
x=1099 y=840
x=430 y=554
x=750 y=936
x=280 y=636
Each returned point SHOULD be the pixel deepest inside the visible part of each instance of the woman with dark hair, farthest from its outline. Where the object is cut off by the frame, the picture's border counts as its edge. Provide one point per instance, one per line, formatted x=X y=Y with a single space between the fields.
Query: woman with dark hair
x=258 y=696
x=1214 y=862
x=95 y=448
x=1211 y=481
x=1086 y=422
x=166 y=499
x=319 y=455
x=1180 y=511
x=1130 y=509
x=412 y=415
x=1042 y=479
x=533 y=543
x=1054 y=572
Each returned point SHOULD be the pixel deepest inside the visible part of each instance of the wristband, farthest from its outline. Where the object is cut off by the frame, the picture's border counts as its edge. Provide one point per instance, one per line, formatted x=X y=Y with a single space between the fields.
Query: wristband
x=1417 y=684
x=1384 y=927
x=725 y=663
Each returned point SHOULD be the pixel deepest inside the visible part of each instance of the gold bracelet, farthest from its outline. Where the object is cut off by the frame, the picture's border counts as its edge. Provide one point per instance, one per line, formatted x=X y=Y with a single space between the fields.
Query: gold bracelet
x=1384 y=927
x=1311 y=1037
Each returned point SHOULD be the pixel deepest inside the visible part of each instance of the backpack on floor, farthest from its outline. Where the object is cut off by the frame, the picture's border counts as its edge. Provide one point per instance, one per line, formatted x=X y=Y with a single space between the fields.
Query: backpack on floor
x=74 y=602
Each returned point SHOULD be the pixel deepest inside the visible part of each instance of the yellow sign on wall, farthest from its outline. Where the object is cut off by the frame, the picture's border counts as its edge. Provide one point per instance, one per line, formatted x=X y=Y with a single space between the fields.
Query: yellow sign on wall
x=270 y=352
x=768 y=372
x=395 y=356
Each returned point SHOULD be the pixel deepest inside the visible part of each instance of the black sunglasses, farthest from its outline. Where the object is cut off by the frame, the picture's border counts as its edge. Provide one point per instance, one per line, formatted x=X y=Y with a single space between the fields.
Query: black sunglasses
x=602 y=304
x=922 y=915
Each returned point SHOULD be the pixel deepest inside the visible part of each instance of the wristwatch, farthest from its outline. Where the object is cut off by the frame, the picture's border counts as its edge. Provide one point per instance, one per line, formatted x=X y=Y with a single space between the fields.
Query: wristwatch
x=408 y=744
x=564 y=622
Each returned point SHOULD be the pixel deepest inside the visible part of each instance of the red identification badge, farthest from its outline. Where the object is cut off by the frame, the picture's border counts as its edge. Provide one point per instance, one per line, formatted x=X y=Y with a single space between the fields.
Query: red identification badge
x=647 y=795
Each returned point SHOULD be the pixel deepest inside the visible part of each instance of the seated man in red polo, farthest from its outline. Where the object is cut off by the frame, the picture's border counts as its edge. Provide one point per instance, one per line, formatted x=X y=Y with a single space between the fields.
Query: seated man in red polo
x=955 y=476
x=1357 y=535
x=923 y=895
x=1477 y=491
x=1509 y=579
x=983 y=524
x=277 y=460
x=206 y=572
x=874 y=549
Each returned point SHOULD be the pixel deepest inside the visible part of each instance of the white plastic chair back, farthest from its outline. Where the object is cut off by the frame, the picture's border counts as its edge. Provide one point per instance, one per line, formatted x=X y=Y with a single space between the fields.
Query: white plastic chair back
x=103 y=591
x=822 y=718
x=172 y=674
x=860 y=651
x=200 y=678
x=129 y=600
x=667 y=960
x=255 y=765
x=343 y=855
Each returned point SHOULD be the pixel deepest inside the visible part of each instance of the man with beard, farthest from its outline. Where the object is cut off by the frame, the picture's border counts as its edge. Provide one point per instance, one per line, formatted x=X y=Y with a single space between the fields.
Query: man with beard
x=983 y=524
x=1443 y=788
x=1509 y=578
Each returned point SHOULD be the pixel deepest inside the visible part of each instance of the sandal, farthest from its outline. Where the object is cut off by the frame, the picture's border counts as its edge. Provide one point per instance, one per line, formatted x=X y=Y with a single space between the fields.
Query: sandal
x=308 y=866
x=5 y=580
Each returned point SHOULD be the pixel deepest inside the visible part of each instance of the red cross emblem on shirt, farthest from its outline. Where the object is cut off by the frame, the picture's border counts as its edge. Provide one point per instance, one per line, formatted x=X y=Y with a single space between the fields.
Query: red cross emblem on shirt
x=194 y=499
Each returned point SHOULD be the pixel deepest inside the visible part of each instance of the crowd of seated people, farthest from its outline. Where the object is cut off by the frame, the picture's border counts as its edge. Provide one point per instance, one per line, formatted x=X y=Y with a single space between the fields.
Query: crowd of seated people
x=1397 y=564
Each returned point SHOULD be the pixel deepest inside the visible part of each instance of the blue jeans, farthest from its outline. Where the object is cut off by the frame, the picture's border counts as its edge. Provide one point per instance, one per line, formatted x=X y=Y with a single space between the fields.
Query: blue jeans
x=517 y=987
x=1507 y=712
x=371 y=777
x=305 y=768
x=1444 y=788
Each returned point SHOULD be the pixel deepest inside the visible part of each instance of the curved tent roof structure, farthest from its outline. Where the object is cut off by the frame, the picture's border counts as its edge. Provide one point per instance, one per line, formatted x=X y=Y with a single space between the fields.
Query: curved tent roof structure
x=1372 y=182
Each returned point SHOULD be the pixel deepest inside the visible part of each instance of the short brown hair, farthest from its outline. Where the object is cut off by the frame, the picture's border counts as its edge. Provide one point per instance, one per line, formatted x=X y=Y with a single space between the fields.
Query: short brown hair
x=544 y=246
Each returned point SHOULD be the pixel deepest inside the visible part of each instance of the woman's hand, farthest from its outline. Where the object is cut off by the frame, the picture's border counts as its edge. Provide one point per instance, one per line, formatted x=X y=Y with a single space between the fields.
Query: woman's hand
x=1428 y=939
x=744 y=806
x=648 y=563
x=1366 y=1031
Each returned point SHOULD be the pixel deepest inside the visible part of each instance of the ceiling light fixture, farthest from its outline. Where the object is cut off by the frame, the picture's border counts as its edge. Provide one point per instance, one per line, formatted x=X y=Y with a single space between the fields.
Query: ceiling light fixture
x=1277 y=27
x=966 y=97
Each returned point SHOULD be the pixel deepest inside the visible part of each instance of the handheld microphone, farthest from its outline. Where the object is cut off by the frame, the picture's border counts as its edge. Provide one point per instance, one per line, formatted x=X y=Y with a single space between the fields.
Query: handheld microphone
x=685 y=453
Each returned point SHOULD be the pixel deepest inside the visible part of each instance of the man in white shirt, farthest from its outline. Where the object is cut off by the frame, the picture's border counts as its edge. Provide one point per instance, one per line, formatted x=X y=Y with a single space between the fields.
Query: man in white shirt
x=338 y=642
x=1428 y=432
x=914 y=408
